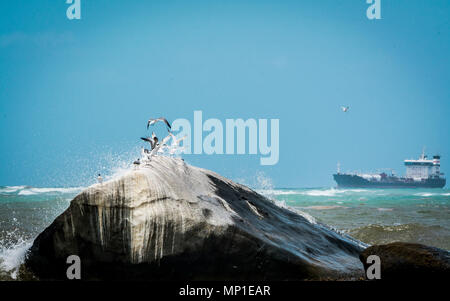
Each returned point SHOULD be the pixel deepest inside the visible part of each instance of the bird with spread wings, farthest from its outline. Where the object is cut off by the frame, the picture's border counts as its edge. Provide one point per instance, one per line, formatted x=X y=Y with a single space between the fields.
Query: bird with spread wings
x=345 y=109
x=152 y=121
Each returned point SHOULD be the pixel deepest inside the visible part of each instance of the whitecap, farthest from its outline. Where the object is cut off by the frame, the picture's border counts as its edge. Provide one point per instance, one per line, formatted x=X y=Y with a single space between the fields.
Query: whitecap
x=33 y=190
x=11 y=189
x=27 y=192
x=328 y=192
x=385 y=209
x=424 y=194
x=276 y=192
x=324 y=207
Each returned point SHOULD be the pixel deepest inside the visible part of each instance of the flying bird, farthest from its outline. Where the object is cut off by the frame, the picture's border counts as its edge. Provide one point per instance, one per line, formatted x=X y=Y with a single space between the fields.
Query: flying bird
x=174 y=147
x=157 y=147
x=152 y=121
x=176 y=141
x=153 y=141
x=345 y=109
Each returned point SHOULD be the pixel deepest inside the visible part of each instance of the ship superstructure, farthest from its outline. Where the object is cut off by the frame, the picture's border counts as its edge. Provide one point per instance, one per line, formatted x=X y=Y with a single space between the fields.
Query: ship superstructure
x=423 y=168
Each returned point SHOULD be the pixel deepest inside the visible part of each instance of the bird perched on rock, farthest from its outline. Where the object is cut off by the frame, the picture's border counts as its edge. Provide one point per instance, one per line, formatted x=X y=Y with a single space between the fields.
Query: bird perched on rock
x=137 y=163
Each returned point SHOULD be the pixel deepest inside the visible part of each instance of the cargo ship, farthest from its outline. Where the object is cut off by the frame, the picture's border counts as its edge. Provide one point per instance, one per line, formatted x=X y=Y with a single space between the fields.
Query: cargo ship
x=420 y=173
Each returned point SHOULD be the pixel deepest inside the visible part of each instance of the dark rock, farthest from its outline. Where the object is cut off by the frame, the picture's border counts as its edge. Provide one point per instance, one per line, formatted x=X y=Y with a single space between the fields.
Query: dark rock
x=174 y=221
x=401 y=261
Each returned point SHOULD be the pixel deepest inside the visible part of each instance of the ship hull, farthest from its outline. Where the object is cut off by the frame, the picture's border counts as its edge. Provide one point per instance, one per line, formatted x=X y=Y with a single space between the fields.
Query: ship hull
x=355 y=181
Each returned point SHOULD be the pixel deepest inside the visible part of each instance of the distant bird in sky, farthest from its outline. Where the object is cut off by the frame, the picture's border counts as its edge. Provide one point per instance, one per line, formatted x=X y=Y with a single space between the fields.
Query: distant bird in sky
x=345 y=109
x=152 y=121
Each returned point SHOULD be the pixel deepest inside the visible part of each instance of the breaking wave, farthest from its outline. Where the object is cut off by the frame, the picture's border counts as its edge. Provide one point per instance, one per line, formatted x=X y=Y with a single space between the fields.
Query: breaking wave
x=424 y=194
x=329 y=192
x=276 y=192
x=11 y=189
x=309 y=192
x=325 y=207
x=28 y=190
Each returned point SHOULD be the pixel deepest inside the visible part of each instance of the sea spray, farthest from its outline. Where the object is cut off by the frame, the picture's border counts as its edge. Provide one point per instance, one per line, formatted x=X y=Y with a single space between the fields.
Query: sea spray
x=11 y=258
x=25 y=211
x=22 y=217
x=264 y=185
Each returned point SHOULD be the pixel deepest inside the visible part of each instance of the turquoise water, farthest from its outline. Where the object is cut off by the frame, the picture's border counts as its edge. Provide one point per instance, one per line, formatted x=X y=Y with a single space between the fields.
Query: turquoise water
x=377 y=216
x=371 y=215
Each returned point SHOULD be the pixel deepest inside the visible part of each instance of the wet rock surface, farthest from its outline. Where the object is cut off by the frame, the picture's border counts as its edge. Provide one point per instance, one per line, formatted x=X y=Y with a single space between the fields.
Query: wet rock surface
x=404 y=261
x=173 y=221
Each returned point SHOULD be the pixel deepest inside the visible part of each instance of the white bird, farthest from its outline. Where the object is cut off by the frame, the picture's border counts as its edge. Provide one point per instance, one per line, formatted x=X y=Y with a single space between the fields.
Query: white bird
x=159 y=145
x=176 y=141
x=345 y=109
x=174 y=147
x=152 y=121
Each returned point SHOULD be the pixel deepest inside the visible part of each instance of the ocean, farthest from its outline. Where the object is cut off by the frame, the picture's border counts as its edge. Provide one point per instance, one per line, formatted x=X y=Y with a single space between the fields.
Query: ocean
x=373 y=216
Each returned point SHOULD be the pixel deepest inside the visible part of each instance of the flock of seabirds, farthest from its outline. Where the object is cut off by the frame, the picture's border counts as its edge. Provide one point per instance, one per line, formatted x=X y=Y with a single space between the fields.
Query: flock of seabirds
x=159 y=147
x=156 y=146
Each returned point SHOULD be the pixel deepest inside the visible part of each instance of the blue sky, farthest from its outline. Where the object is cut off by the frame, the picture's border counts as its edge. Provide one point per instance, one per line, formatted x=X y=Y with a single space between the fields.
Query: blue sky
x=75 y=95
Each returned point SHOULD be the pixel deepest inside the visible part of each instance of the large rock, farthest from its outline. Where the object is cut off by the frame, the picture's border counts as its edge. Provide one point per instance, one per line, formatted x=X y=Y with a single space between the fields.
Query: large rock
x=409 y=261
x=171 y=220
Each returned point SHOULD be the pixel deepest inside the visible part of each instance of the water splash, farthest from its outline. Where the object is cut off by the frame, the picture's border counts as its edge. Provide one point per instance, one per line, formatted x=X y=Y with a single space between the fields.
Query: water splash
x=264 y=185
x=12 y=257
x=263 y=181
x=282 y=204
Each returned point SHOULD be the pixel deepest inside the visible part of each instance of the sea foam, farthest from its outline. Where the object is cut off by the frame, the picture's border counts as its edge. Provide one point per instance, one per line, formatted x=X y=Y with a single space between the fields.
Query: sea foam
x=34 y=191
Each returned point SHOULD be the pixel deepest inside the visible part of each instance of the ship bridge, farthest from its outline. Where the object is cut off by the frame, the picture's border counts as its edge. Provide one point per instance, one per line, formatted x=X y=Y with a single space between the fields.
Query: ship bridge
x=423 y=168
